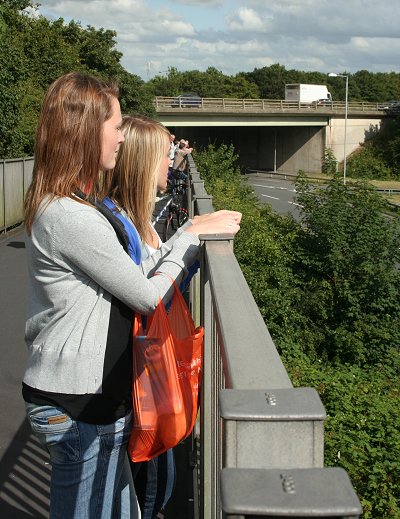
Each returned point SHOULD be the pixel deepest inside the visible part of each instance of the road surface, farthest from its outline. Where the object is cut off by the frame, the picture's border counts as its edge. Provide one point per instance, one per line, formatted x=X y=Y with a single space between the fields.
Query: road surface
x=276 y=191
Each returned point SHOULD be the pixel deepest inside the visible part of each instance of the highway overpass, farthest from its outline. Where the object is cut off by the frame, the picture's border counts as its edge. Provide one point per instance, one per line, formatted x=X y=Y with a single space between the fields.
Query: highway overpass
x=272 y=134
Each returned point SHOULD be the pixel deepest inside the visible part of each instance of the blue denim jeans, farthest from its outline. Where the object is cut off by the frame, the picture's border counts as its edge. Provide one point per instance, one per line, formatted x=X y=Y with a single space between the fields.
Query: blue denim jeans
x=154 y=483
x=90 y=476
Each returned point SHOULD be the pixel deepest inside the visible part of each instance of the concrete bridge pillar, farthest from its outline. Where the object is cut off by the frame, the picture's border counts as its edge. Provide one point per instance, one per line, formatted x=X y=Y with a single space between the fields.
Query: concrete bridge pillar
x=359 y=131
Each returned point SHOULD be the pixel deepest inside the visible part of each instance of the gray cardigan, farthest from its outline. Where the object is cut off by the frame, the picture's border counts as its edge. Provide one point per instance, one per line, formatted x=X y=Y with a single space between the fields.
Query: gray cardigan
x=76 y=264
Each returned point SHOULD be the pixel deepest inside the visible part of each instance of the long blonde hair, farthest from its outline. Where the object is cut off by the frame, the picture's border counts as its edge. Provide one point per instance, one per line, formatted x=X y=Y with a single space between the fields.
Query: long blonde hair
x=133 y=183
x=68 y=139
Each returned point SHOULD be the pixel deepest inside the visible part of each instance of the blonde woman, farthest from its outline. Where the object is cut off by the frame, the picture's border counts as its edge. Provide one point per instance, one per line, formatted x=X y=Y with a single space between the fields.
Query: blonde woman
x=140 y=172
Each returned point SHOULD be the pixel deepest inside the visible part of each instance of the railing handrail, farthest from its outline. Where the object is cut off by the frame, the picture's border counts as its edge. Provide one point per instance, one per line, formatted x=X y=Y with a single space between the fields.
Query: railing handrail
x=227 y=104
x=250 y=359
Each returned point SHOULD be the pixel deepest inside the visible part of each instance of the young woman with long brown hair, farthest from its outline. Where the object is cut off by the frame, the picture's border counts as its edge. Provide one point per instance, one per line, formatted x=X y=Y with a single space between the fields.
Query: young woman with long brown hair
x=83 y=287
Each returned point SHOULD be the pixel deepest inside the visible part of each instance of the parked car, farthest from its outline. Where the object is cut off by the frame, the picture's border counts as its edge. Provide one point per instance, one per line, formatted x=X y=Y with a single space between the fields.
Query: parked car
x=187 y=101
x=394 y=108
x=324 y=102
x=390 y=106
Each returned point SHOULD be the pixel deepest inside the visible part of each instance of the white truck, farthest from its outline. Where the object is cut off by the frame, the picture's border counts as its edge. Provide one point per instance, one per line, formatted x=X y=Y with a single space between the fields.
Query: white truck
x=304 y=93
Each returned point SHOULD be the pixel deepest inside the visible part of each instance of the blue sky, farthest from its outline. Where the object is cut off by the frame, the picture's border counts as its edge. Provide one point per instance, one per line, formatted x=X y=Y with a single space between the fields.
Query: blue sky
x=205 y=14
x=238 y=36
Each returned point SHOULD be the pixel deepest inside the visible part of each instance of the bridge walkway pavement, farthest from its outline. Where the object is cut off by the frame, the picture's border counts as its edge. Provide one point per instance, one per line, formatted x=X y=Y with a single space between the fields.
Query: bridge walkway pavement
x=24 y=467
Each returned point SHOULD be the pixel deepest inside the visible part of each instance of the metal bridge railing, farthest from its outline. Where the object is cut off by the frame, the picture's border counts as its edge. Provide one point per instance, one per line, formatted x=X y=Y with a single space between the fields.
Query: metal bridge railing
x=15 y=177
x=226 y=105
x=261 y=440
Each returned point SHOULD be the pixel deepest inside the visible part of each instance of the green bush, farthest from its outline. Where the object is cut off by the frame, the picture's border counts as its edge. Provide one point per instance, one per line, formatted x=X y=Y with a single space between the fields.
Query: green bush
x=380 y=158
x=329 y=163
x=345 y=258
x=366 y=165
x=362 y=427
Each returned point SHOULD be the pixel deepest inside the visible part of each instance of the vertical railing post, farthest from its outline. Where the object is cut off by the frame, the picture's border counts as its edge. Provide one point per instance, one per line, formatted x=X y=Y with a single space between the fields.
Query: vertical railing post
x=207 y=447
x=213 y=381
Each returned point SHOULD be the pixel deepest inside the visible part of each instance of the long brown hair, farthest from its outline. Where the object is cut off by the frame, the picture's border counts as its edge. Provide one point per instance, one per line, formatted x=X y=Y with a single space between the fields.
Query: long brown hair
x=133 y=183
x=68 y=139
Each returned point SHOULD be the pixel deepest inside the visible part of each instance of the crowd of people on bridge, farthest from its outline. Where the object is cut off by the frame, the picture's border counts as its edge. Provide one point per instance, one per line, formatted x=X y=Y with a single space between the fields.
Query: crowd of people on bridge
x=93 y=260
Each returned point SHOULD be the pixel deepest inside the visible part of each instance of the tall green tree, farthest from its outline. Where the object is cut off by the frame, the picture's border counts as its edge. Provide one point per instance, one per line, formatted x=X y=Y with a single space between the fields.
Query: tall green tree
x=135 y=96
x=238 y=86
x=34 y=52
x=211 y=83
x=13 y=72
x=270 y=81
x=346 y=259
x=98 y=53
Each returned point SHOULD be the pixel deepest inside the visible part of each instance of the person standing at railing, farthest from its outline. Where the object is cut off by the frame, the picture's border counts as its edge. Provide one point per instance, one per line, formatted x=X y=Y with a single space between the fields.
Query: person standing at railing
x=141 y=165
x=141 y=171
x=172 y=149
x=83 y=287
x=180 y=160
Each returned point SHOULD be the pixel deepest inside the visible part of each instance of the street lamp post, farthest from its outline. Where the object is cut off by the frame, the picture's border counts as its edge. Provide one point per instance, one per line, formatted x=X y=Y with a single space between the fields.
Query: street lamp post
x=332 y=74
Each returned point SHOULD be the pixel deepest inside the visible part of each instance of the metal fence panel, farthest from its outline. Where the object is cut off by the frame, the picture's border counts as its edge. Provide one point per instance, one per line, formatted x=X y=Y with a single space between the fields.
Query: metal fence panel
x=15 y=177
x=13 y=192
x=2 y=215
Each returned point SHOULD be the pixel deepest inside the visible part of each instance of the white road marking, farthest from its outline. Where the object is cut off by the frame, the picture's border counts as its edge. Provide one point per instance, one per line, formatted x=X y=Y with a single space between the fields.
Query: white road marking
x=270 y=187
x=274 y=197
x=275 y=187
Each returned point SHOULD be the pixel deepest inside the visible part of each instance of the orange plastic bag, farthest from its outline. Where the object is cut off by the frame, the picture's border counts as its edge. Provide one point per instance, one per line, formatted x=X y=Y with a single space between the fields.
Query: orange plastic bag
x=167 y=372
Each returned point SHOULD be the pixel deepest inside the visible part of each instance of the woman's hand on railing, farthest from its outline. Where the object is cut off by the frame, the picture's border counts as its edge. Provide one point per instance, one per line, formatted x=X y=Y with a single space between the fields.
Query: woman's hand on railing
x=219 y=222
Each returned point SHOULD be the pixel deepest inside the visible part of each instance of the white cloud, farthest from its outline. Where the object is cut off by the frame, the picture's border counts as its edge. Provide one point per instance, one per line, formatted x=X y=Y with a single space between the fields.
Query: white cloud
x=177 y=28
x=235 y=36
x=246 y=19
